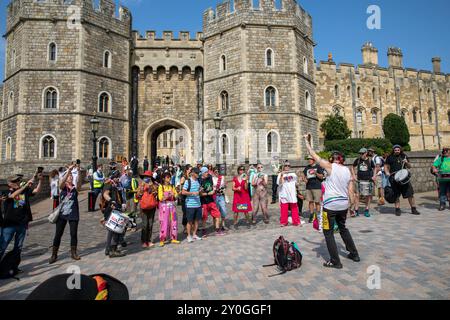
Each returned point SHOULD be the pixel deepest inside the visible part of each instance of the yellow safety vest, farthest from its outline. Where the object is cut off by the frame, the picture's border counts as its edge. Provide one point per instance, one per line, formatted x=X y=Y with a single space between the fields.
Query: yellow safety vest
x=97 y=184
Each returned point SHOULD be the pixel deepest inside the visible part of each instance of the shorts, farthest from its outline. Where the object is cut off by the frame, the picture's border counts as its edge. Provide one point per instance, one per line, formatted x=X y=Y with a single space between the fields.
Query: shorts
x=212 y=209
x=362 y=189
x=379 y=182
x=405 y=190
x=221 y=205
x=313 y=195
x=194 y=214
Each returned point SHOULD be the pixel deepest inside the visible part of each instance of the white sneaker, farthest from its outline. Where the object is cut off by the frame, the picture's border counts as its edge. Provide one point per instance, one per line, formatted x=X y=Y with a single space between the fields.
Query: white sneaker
x=196 y=237
x=302 y=222
x=190 y=239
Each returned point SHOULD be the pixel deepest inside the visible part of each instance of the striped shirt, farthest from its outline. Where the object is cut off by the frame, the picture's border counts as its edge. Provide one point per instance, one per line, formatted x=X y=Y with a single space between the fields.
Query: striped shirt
x=336 y=196
x=192 y=201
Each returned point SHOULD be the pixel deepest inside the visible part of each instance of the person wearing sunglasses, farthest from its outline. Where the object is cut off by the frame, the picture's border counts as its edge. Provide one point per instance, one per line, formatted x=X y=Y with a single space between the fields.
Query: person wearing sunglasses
x=241 y=198
x=287 y=182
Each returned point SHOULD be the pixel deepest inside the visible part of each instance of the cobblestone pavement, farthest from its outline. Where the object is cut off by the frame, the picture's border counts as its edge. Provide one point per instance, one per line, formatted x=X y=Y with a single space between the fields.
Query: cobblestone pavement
x=412 y=252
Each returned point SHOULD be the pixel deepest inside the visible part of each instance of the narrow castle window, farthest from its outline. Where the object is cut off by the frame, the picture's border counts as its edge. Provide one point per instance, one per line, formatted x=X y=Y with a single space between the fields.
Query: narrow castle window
x=8 y=149
x=107 y=59
x=448 y=95
x=269 y=58
x=271 y=97
x=349 y=92
x=374 y=117
x=430 y=116
x=305 y=65
x=103 y=148
x=223 y=63
x=448 y=116
x=308 y=104
x=414 y=114
x=50 y=98
x=224 y=101
x=374 y=94
x=104 y=102
x=359 y=117
x=48 y=147
x=13 y=58
x=225 y=144
x=358 y=92
x=272 y=142
x=11 y=102
x=52 y=52
x=387 y=95
x=336 y=91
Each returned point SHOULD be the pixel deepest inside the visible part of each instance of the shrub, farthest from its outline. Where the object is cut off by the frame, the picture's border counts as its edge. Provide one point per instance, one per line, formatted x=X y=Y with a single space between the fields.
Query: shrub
x=335 y=128
x=351 y=147
x=396 y=130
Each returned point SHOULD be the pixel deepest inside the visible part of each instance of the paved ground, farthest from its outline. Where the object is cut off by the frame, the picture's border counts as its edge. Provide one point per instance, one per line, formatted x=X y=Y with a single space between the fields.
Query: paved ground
x=413 y=254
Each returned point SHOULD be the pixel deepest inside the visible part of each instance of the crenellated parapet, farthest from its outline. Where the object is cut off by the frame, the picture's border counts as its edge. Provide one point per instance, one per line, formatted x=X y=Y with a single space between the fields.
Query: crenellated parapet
x=75 y=11
x=150 y=39
x=290 y=14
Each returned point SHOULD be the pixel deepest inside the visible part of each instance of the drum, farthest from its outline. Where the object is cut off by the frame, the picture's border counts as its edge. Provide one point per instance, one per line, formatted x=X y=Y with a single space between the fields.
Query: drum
x=365 y=188
x=117 y=222
x=402 y=177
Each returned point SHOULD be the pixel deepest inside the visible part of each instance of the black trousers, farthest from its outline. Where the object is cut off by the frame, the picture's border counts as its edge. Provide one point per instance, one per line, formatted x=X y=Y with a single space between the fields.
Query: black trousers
x=183 y=207
x=274 y=188
x=339 y=217
x=60 y=226
x=300 y=206
x=148 y=217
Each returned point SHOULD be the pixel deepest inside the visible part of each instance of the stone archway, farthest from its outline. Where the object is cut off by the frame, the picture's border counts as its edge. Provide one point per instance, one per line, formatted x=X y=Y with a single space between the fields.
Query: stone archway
x=157 y=128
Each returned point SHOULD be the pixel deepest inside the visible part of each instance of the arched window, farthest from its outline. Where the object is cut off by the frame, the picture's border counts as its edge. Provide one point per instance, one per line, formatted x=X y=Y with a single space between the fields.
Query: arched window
x=349 y=92
x=8 y=151
x=225 y=144
x=224 y=101
x=305 y=65
x=374 y=116
x=359 y=117
x=270 y=97
x=336 y=91
x=269 y=58
x=223 y=63
x=414 y=115
x=107 y=57
x=52 y=55
x=104 y=148
x=387 y=95
x=104 y=102
x=11 y=102
x=48 y=147
x=50 y=98
x=430 y=116
x=308 y=104
x=358 y=92
x=165 y=140
x=273 y=142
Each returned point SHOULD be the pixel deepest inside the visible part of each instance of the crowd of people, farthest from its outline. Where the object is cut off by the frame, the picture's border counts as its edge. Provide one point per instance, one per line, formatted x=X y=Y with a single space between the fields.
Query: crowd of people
x=124 y=193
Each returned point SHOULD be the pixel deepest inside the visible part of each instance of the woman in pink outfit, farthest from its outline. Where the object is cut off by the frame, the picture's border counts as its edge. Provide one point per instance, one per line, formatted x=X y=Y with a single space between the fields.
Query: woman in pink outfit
x=241 y=199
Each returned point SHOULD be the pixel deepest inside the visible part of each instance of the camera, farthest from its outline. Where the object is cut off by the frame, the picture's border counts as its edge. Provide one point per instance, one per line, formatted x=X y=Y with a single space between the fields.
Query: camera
x=40 y=170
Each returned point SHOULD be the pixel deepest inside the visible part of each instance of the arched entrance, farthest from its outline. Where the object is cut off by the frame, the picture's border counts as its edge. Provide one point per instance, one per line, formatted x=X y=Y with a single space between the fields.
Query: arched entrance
x=176 y=143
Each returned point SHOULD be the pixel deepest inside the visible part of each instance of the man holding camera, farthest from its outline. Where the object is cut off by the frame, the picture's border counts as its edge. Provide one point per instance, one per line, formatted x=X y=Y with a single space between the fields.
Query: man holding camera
x=17 y=211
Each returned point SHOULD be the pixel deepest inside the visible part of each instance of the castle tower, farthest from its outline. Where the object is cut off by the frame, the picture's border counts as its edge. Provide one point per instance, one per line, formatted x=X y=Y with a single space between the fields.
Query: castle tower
x=436 y=64
x=259 y=74
x=64 y=62
x=395 y=57
x=370 y=54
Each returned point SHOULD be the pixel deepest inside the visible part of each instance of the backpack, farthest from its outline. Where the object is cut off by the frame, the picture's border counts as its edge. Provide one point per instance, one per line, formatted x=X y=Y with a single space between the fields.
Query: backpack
x=148 y=201
x=287 y=256
x=390 y=195
x=9 y=266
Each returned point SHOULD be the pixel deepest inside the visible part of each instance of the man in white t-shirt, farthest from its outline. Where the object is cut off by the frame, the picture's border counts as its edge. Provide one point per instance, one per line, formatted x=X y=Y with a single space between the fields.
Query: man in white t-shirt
x=379 y=167
x=288 y=196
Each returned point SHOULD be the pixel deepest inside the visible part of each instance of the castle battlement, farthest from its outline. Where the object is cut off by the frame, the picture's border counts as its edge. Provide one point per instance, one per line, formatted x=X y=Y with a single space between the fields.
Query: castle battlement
x=266 y=13
x=58 y=10
x=168 y=36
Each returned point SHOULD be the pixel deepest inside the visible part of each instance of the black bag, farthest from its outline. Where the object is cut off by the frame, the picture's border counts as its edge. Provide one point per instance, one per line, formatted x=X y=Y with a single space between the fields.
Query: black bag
x=287 y=256
x=9 y=266
x=390 y=195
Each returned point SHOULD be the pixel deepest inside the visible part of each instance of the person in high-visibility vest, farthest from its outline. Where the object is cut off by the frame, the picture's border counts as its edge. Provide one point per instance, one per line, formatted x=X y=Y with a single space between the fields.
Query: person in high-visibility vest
x=99 y=182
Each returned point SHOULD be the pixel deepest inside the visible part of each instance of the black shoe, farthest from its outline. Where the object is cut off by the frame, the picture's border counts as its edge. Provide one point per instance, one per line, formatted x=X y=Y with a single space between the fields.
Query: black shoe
x=124 y=244
x=398 y=212
x=106 y=252
x=414 y=211
x=353 y=257
x=442 y=207
x=273 y=202
x=329 y=264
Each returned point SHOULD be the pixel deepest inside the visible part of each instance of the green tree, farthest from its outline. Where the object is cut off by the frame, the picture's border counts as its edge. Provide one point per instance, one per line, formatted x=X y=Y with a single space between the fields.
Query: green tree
x=396 y=130
x=335 y=128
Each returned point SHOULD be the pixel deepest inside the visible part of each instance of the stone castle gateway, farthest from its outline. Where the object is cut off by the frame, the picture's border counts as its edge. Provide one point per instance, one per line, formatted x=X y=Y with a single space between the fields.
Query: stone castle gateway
x=66 y=60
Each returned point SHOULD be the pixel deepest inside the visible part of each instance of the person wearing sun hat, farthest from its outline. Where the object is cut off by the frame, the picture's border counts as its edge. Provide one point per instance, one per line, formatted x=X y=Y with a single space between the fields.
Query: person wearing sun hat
x=96 y=287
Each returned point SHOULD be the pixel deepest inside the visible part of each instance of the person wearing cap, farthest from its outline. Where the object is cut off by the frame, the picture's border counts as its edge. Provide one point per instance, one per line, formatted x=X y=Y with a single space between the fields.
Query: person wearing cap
x=17 y=212
x=379 y=172
x=220 y=197
x=313 y=175
x=337 y=196
x=191 y=190
x=395 y=162
x=147 y=188
x=441 y=168
x=241 y=198
x=364 y=174
x=168 y=225
x=287 y=182
x=207 y=192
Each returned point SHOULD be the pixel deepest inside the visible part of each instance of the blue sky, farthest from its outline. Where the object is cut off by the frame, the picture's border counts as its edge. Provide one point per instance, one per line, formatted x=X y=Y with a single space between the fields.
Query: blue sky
x=420 y=28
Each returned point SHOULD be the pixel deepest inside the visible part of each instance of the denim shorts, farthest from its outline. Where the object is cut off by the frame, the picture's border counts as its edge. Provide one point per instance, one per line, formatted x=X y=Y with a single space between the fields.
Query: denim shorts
x=193 y=214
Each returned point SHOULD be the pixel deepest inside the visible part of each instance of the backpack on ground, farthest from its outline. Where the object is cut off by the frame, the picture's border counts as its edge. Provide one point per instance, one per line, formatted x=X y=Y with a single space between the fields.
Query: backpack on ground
x=9 y=266
x=148 y=201
x=287 y=256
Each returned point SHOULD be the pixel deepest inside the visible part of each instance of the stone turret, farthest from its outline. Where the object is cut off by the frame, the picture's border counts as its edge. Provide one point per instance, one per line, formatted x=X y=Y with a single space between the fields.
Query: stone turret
x=370 y=54
x=395 y=57
x=436 y=64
